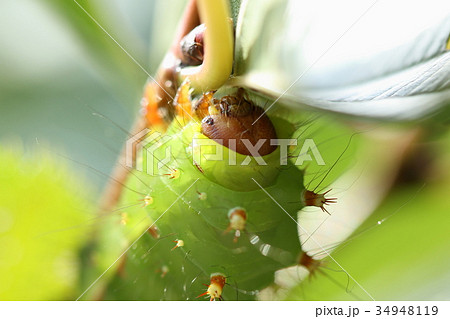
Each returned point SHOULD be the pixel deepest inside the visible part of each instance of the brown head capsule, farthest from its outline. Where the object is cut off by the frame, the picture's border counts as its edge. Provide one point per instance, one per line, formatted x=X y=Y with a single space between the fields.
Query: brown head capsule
x=239 y=125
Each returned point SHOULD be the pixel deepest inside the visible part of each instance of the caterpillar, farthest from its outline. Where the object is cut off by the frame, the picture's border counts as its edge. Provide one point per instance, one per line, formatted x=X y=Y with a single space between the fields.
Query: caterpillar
x=152 y=269
x=235 y=216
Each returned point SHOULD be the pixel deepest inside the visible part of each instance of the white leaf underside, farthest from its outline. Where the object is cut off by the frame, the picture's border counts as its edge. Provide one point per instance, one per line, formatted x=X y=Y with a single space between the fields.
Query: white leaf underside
x=378 y=59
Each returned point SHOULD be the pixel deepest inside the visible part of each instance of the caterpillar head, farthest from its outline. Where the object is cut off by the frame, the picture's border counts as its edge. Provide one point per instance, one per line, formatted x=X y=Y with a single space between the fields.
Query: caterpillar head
x=231 y=139
x=237 y=124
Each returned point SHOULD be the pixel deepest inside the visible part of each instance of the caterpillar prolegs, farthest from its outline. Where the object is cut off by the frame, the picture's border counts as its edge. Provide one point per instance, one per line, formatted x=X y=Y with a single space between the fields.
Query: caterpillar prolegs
x=207 y=205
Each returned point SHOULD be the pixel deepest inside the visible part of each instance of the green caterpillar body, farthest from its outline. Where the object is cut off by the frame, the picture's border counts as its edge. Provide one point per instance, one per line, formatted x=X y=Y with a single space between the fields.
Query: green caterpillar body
x=191 y=205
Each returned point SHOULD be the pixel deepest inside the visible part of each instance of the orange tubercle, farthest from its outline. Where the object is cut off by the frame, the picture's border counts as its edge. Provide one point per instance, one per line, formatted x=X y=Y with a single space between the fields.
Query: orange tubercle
x=179 y=243
x=174 y=174
x=238 y=220
x=148 y=200
x=215 y=288
x=150 y=107
x=183 y=103
x=310 y=198
x=309 y=263
x=202 y=106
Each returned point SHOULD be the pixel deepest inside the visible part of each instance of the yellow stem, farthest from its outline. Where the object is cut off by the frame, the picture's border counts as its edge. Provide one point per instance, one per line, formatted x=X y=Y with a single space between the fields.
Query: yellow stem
x=218 y=42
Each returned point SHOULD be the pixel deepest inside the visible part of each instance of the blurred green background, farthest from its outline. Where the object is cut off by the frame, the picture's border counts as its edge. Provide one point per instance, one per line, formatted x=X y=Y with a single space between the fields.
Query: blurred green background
x=57 y=68
x=57 y=65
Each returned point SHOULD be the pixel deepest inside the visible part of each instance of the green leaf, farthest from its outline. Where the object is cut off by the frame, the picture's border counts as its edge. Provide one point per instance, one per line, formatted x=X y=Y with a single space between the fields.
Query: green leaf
x=334 y=57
